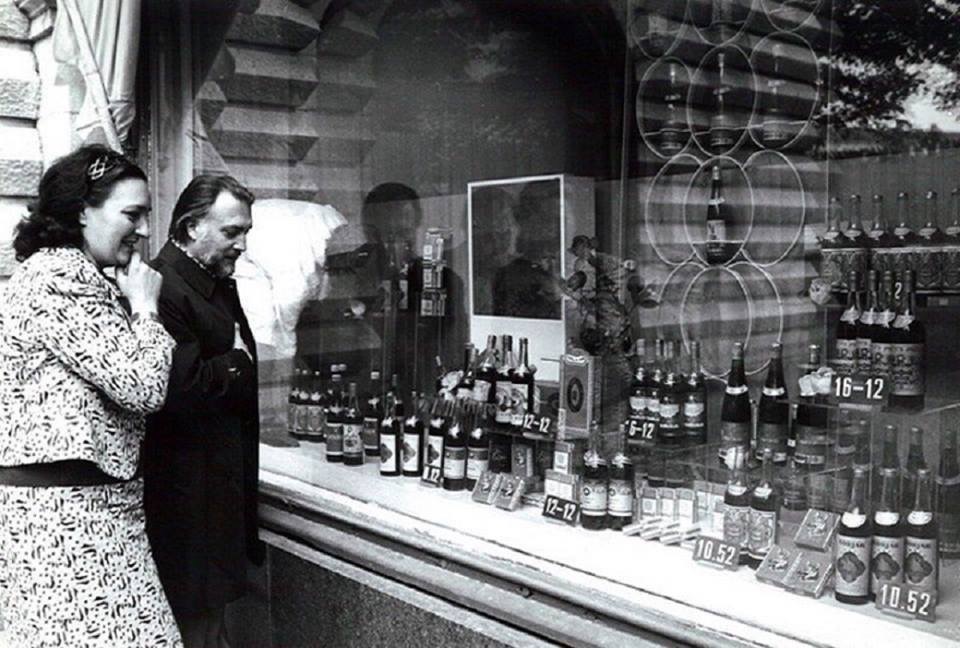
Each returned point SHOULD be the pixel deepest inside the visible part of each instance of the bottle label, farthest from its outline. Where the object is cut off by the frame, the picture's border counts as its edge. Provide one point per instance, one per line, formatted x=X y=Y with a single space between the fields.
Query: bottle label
x=716 y=228
x=920 y=562
x=411 y=452
x=388 y=454
x=886 y=564
x=454 y=463
x=903 y=321
x=434 y=457
x=772 y=436
x=881 y=361
x=853 y=566
x=504 y=401
x=370 y=427
x=851 y=315
x=774 y=392
x=908 y=369
x=653 y=408
x=868 y=317
x=481 y=390
x=478 y=460
x=637 y=405
x=736 y=390
x=518 y=402
x=313 y=419
x=620 y=498
x=736 y=525
x=593 y=497
x=669 y=416
x=864 y=354
x=334 y=439
x=763 y=532
x=733 y=434
x=846 y=360
x=352 y=439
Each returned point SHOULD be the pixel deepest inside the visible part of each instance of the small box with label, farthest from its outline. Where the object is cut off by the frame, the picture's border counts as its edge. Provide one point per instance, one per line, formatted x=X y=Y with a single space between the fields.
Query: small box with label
x=562 y=485
x=778 y=561
x=809 y=573
x=649 y=502
x=512 y=489
x=433 y=276
x=522 y=458
x=687 y=506
x=568 y=456
x=433 y=246
x=487 y=486
x=433 y=303
x=579 y=395
x=817 y=530
x=668 y=503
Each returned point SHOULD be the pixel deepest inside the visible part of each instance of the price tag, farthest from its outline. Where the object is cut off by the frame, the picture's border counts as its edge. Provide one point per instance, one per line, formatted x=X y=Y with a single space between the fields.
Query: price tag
x=642 y=432
x=900 y=600
x=561 y=509
x=539 y=424
x=716 y=553
x=859 y=388
x=431 y=476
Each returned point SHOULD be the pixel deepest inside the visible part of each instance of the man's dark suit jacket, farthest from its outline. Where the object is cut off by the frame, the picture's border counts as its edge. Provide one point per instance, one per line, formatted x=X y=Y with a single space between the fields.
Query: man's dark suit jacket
x=200 y=453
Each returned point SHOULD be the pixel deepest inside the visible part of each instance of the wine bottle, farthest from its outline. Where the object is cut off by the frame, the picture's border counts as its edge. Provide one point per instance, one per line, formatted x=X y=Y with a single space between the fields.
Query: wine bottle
x=882 y=339
x=670 y=432
x=505 y=382
x=478 y=449
x=719 y=220
x=848 y=329
x=468 y=379
x=908 y=351
x=352 y=428
x=619 y=490
x=673 y=132
x=593 y=491
x=412 y=462
x=775 y=129
x=921 y=554
x=773 y=412
x=484 y=386
x=372 y=415
x=695 y=401
x=854 y=234
x=522 y=387
x=865 y=329
x=879 y=234
x=904 y=236
x=834 y=237
x=436 y=433
x=455 y=454
x=637 y=402
x=334 y=425
x=948 y=496
x=915 y=463
x=653 y=386
x=723 y=131
x=886 y=561
x=794 y=487
x=391 y=433
x=315 y=407
x=854 y=546
x=889 y=459
x=735 y=415
x=736 y=504
x=294 y=400
x=930 y=238
x=952 y=231
x=764 y=509
x=810 y=424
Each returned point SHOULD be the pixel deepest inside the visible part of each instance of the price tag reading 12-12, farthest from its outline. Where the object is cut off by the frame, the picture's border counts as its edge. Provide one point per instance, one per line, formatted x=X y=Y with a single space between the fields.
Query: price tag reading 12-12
x=557 y=508
x=858 y=388
x=900 y=600
x=716 y=553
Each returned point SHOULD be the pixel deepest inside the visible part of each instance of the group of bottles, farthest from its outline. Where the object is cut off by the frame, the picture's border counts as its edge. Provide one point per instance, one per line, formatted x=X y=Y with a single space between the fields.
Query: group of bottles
x=882 y=246
x=751 y=512
x=900 y=520
x=883 y=336
x=606 y=490
x=452 y=439
x=499 y=377
x=668 y=402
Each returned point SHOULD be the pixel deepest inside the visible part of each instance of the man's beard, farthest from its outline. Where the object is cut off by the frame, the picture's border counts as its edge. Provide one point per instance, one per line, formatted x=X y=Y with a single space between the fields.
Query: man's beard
x=223 y=267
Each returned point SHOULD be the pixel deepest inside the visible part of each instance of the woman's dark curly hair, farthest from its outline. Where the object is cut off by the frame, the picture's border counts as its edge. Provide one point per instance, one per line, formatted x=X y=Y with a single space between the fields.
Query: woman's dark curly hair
x=80 y=179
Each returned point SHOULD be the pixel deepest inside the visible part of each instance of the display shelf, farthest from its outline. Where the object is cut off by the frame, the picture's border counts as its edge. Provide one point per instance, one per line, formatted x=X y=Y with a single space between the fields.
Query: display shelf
x=628 y=573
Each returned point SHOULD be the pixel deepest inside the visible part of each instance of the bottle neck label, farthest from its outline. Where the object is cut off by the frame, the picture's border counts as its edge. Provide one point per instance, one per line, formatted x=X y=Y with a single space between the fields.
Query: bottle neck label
x=919 y=518
x=736 y=390
x=774 y=392
x=903 y=321
x=867 y=317
x=886 y=518
x=851 y=315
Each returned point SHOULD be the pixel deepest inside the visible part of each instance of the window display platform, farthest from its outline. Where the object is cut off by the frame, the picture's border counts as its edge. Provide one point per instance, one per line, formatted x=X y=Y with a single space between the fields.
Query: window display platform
x=643 y=584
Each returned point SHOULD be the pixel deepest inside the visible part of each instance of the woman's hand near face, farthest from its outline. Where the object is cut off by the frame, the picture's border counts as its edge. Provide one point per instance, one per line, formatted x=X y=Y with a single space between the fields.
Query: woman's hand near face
x=140 y=284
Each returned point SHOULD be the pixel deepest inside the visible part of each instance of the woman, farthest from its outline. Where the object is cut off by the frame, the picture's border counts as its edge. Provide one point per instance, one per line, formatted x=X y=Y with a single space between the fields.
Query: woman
x=77 y=376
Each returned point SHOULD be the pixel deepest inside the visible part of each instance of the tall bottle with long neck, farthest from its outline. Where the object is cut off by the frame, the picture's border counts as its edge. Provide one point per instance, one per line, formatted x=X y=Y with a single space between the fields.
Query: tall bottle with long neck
x=764 y=509
x=921 y=555
x=930 y=238
x=865 y=328
x=775 y=129
x=723 y=132
x=695 y=400
x=505 y=382
x=889 y=459
x=673 y=133
x=904 y=235
x=948 y=496
x=736 y=501
x=352 y=428
x=886 y=563
x=880 y=234
x=735 y=415
x=391 y=433
x=810 y=425
x=856 y=238
x=412 y=462
x=484 y=386
x=909 y=351
x=916 y=462
x=522 y=387
x=882 y=345
x=468 y=376
x=854 y=546
x=719 y=220
x=773 y=412
x=848 y=328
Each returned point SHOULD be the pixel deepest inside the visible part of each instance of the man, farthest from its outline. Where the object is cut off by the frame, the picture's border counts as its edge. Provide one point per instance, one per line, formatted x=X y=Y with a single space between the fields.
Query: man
x=200 y=452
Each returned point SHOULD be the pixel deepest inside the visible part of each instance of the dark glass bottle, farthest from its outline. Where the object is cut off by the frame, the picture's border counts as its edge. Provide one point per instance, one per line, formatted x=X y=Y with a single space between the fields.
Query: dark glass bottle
x=879 y=234
x=455 y=455
x=736 y=504
x=915 y=463
x=619 y=491
x=735 y=415
x=719 y=221
x=905 y=237
x=468 y=378
x=593 y=491
x=655 y=377
x=775 y=129
x=948 y=496
x=848 y=328
x=637 y=402
x=865 y=330
x=436 y=432
x=504 y=384
x=921 y=554
x=930 y=237
x=854 y=234
x=773 y=412
x=522 y=387
x=315 y=407
x=484 y=386
x=412 y=461
x=334 y=425
x=854 y=546
x=886 y=563
x=764 y=510
x=952 y=231
x=882 y=345
x=723 y=131
x=352 y=428
x=670 y=431
x=372 y=415
x=810 y=424
x=478 y=449
x=908 y=352
x=673 y=133
x=834 y=237
x=889 y=459
x=294 y=400
x=695 y=400
x=391 y=433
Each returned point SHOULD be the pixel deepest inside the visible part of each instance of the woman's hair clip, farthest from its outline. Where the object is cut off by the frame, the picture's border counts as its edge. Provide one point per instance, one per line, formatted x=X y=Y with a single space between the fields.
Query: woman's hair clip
x=100 y=166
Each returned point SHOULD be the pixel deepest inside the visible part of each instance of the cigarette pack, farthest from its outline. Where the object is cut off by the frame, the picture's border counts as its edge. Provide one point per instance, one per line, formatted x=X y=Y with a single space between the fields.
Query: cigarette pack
x=817 y=530
x=486 y=488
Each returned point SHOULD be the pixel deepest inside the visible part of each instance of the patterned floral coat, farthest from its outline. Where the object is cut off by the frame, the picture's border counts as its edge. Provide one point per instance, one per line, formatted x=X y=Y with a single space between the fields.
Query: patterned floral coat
x=77 y=375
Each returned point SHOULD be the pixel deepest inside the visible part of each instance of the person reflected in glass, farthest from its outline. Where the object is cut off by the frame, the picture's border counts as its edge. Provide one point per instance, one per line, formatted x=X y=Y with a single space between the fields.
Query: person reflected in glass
x=83 y=358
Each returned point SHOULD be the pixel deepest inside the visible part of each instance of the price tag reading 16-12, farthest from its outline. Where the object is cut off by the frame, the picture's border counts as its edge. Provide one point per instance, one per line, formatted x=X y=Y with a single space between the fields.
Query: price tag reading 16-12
x=716 y=553
x=900 y=600
x=858 y=388
x=560 y=509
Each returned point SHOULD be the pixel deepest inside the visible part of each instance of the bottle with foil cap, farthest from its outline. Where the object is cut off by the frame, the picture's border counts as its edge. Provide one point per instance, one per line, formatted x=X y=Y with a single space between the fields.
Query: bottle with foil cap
x=854 y=544
x=764 y=510
x=773 y=412
x=865 y=327
x=695 y=400
x=921 y=555
x=886 y=562
x=736 y=504
x=916 y=461
x=848 y=328
x=735 y=413
x=619 y=489
x=908 y=351
x=593 y=489
x=930 y=239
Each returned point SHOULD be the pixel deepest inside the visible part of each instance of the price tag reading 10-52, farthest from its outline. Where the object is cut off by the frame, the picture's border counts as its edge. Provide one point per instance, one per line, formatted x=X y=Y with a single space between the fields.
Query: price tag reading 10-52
x=716 y=553
x=858 y=388
x=899 y=600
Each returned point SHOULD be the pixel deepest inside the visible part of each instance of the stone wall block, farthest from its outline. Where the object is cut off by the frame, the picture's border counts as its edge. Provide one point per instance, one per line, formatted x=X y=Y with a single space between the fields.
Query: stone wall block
x=20 y=159
x=14 y=24
x=19 y=82
x=276 y=23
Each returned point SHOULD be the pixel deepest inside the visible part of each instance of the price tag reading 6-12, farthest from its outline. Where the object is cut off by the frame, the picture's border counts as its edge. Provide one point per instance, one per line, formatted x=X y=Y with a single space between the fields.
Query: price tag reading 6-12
x=716 y=553
x=900 y=600
x=560 y=509
x=858 y=388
